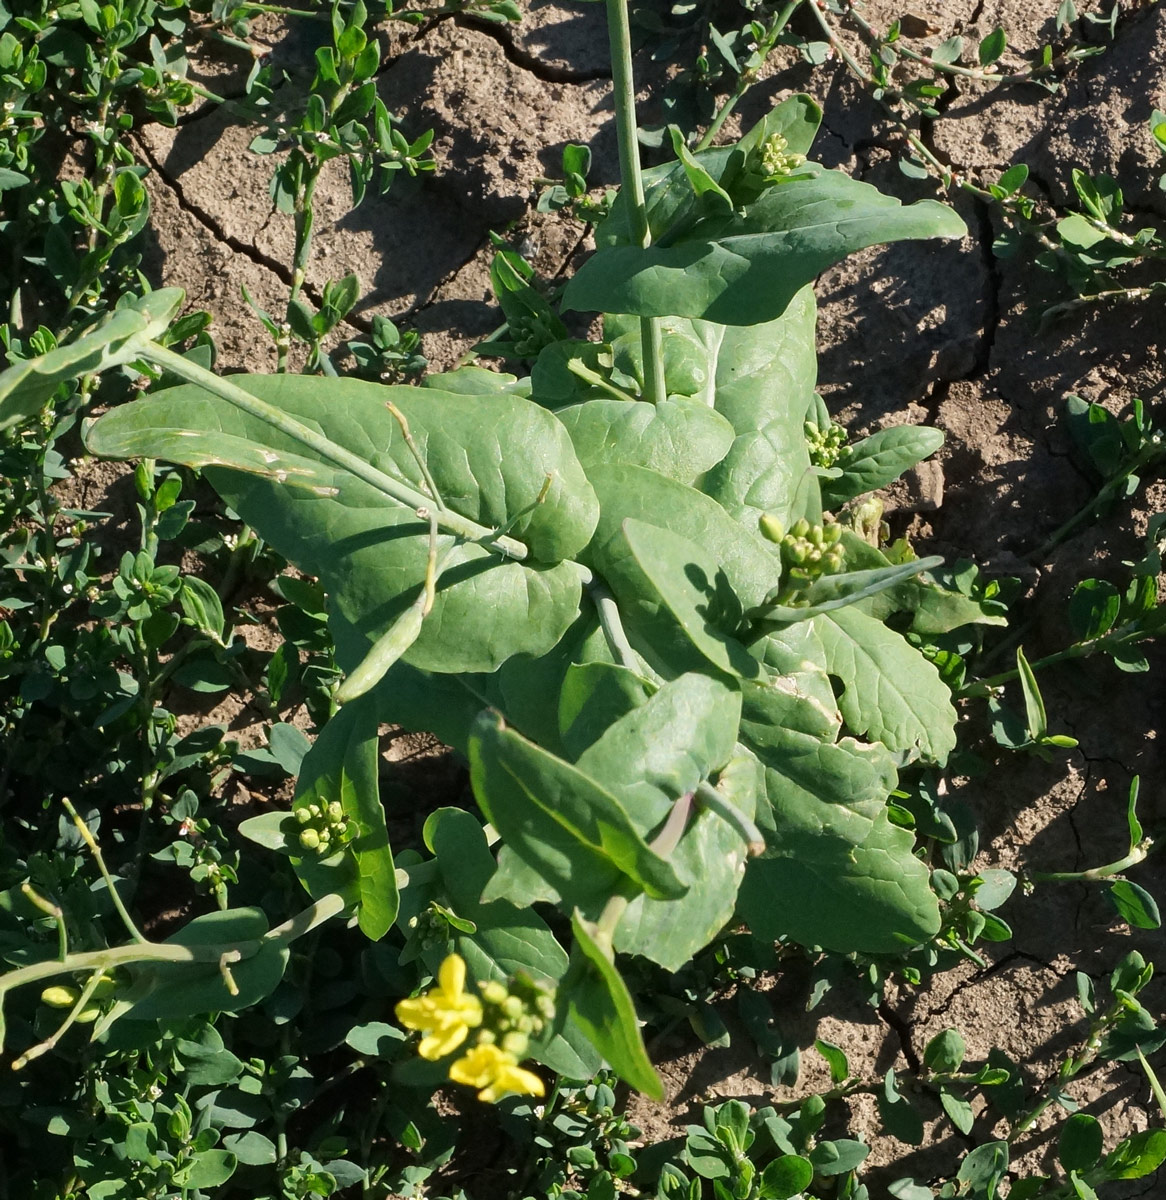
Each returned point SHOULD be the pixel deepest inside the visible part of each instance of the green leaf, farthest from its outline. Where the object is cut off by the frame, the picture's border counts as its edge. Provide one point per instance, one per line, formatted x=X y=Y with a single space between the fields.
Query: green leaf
x=1034 y=705
x=594 y=696
x=765 y=377
x=891 y=691
x=679 y=438
x=945 y=1052
x=880 y=459
x=557 y=819
x=207 y=1169
x=252 y=1149
x=993 y=46
x=838 y=1157
x=683 y=597
x=1080 y=1145
x=984 y=1168
x=745 y=268
x=371 y=551
x=174 y=991
x=786 y=1177
x=652 y=756
x=1134 y=904
x=836 y=1060
x=602 y=1007
x=838 y=873
x=749 y=562
x=958 y=1108
x=28 y=384
x=1137 y=1156
x=1094 y=608
x=343 y=765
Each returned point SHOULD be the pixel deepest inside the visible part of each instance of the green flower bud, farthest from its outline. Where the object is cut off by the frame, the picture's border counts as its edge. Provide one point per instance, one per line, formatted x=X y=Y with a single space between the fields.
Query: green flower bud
x=494 y=992
x=516 y=1043
x=59 y=996
x=302 y=816
x=310 y=839
x=771 y=528
x=335 y=811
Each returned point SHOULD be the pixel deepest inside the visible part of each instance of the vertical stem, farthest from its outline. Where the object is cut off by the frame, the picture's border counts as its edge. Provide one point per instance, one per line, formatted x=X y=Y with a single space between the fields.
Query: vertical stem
x=632 y=181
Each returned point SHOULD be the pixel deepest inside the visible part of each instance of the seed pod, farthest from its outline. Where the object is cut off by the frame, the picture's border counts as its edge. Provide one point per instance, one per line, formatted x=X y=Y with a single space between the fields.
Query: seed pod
x=403 y=632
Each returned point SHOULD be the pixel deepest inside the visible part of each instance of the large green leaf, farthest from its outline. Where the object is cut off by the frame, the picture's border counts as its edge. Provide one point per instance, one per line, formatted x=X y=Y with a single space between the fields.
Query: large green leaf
x=593 y=697
x=559 y=820
x=664 y=747
x=878 y=460
x=795 y=693
x=711 y=854
x=28 y=384
x=678 y=600
x=602 y=1006
x=680 y=438
x=765 y=376
x=671 y=201
x=628 y=491
x=745 y=268
x=176 y=991
x=371 y=551
x=837 y=873
x=890 y=691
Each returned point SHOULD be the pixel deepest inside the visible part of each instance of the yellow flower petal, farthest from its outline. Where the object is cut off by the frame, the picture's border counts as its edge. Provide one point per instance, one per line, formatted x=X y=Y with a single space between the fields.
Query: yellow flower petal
x=442 y=1041
x=479 y=1067
x=512 y=1080
x=417 y=1012
x=451 y=976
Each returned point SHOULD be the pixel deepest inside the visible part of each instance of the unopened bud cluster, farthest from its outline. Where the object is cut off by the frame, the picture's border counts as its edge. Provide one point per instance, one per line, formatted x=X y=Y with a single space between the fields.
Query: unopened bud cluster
x=530 y=333
x=776 y=158
x=324 y=828
x=807 y=553
x=513 y=1016
x=826 y=446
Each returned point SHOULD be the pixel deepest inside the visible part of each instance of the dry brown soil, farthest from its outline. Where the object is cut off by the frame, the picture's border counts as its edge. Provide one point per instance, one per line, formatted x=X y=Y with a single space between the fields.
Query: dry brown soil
x=930 y=332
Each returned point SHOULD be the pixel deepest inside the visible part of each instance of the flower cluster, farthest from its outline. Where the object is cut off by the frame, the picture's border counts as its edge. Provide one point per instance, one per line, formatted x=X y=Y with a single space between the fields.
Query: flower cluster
x=324 y=829
x=826 y=446
x=807 y=553
x=776 y=158
x=503 y=1020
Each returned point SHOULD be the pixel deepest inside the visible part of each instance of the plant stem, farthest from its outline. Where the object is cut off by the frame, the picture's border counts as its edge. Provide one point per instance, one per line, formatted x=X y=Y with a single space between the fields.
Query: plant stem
x=450 y=522
x=112 y=957
x=748 y=77
x=1096 y=874
x=632 y=180
x=613 y=629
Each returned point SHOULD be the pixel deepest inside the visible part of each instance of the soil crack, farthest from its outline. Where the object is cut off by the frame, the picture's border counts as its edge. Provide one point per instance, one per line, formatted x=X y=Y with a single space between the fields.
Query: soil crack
x=902 y=1030
x=523 y=59
x=213 y=226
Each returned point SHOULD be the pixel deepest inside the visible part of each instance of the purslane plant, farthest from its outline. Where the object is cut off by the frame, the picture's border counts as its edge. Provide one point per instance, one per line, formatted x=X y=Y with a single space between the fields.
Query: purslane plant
x=614 y=586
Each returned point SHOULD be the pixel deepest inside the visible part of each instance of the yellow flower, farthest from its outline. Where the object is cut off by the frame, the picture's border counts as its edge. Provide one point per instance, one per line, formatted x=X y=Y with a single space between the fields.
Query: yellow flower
x=496 y=1073
x=445 y=1014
